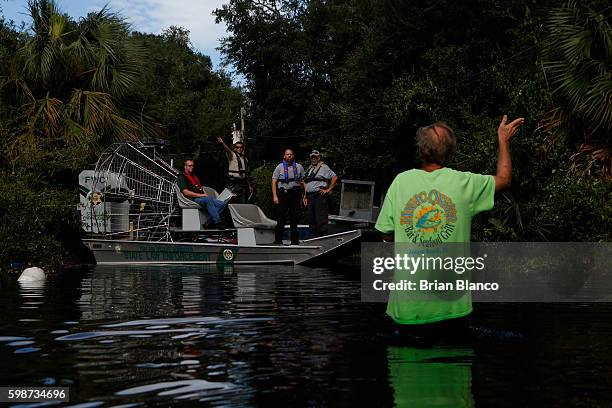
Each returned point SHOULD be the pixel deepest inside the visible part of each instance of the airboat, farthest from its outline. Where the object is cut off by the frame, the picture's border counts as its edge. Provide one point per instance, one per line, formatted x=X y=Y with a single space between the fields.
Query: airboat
x=133 y=213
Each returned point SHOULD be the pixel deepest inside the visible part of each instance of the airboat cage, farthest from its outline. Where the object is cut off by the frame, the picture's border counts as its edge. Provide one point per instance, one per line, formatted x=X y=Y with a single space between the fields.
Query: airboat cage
x=135 y=188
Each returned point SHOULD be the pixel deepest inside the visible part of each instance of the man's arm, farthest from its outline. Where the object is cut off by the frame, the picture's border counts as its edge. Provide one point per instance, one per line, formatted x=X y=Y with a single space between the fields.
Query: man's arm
x=332 y=183
x=304 y=197
x=188 y=193
x=228 y=151
x=274 y=196
x=505 y=132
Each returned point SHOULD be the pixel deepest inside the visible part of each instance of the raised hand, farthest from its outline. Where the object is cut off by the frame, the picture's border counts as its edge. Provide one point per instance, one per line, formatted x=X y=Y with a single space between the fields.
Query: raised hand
x=505 y=131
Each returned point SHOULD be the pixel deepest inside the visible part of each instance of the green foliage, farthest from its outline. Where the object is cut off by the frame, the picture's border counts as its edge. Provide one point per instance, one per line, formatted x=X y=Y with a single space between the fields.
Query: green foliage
x=577 y=210
x=578 y=56
x=355 y=79
x=68 y=84
x=37 y=225
x=68 y=89
x=262 y=184
x=578 y=60
x=192 y=104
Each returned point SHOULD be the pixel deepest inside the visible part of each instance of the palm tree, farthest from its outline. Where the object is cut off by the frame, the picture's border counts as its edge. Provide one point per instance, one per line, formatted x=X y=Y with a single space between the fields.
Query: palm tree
x=70 y=82
x=578 y=55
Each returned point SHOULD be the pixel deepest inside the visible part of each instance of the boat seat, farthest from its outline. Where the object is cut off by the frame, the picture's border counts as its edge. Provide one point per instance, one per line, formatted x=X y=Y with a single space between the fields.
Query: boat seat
x=250 y=216
x=194 y=216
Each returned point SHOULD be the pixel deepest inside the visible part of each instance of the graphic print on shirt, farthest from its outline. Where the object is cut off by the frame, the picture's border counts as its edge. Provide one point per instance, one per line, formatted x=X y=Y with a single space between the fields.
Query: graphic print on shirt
x=429 y=217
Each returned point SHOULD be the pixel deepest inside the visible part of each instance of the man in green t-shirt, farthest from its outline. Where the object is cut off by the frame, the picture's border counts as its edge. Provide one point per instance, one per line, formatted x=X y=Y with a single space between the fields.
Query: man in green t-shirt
x=436 y=204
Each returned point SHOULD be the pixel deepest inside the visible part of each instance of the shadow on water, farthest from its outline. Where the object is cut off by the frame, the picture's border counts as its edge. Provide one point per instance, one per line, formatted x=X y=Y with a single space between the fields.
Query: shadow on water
x=261 y=336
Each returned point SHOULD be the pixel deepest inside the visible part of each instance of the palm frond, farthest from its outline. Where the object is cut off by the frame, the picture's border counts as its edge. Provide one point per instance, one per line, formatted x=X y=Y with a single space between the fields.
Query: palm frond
x=578 y=58
x=591 y=159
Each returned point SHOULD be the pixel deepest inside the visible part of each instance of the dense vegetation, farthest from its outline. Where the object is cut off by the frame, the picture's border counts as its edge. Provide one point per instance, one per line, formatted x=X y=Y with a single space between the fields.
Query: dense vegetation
x=69 y=88
x=355 y=79
x=352 y=78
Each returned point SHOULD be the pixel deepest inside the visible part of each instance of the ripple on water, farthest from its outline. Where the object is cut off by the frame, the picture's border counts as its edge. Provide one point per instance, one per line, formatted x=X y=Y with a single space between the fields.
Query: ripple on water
x=26 y=350
x=38 y=404
x=179 y=389
x=149 y=329
x=13 y=338
x=185 y=320
x=20 y=343
x=112 y=333
x=91 y=404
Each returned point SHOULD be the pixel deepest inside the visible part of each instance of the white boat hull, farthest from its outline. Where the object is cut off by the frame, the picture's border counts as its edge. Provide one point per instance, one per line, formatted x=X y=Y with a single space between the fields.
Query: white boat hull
x=124 y=252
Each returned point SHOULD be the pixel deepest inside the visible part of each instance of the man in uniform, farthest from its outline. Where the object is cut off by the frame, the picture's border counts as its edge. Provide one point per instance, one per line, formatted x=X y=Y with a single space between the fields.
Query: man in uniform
x=288 y=190
x=320 y=181
x=190 y=186
x=239 y=178
x=435 y=205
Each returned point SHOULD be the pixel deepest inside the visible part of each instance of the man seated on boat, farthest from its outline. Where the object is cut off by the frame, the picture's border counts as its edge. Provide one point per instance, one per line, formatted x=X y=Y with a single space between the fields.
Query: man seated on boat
x=191 y=188
x=435 y=205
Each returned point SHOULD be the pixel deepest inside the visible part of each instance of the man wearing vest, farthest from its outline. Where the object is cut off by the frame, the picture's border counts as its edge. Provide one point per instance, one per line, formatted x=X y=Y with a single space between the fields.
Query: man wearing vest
x=288 y=191
x=436 y=204
x=239 y=178
x=320 y=181
x=191 y=188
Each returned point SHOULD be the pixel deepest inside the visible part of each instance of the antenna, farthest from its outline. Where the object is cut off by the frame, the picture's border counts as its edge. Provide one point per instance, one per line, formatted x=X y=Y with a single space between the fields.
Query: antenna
x=242 y=114
x=236 y=134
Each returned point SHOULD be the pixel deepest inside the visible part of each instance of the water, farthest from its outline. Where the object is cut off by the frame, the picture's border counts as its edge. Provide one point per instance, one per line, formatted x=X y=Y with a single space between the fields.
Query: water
x=290 y=336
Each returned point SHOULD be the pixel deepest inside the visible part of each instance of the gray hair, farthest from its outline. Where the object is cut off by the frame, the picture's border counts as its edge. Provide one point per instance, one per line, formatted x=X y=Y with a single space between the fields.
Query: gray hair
x=436 y=143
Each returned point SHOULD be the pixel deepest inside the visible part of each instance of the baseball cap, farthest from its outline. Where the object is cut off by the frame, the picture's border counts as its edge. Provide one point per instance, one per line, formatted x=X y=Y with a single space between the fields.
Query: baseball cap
x=315 y=153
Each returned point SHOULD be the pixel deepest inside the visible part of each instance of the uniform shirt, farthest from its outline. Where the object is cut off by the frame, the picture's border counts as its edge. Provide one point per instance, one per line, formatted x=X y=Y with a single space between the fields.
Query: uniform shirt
x=435 y=207
x=238 y=165
x=324 y=172
x=279 y=174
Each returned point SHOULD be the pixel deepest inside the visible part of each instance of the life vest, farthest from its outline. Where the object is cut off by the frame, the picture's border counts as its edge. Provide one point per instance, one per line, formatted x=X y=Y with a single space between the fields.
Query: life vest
x=296 y=173
x=194 y=181
x=238 y=166
x=312 y=174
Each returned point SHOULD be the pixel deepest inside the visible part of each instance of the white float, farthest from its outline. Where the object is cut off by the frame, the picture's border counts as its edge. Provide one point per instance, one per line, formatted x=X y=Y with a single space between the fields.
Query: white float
x=34 y=274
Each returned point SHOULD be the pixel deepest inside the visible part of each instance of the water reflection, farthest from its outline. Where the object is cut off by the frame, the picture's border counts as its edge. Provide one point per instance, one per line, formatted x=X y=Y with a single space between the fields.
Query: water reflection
x=431 y=377
x=264 y=331
x=259 y=336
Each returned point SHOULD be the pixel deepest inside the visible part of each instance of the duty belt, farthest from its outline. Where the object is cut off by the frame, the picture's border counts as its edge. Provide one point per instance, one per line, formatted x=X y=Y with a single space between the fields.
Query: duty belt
x=286 y=190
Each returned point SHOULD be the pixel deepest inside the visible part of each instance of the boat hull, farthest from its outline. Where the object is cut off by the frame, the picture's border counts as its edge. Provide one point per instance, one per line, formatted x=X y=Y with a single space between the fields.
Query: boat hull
x=122 y=252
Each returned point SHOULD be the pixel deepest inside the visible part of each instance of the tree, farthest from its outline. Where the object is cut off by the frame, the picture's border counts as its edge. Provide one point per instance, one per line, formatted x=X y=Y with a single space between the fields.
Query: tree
x=192 y=103
x=69 y=84
x=578 y=61
x=355 y=79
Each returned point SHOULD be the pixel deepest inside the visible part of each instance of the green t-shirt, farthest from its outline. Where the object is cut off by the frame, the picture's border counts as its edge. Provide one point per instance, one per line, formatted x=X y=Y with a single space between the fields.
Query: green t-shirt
x=435 y=207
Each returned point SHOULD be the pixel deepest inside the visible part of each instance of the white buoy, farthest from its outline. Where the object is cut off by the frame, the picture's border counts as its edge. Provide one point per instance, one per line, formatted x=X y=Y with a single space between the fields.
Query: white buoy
x=34 y=274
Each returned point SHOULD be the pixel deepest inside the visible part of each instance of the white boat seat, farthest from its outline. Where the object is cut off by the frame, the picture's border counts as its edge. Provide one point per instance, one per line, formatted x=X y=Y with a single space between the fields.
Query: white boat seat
x=250 y=216
x=185 y=202
x=194 y=216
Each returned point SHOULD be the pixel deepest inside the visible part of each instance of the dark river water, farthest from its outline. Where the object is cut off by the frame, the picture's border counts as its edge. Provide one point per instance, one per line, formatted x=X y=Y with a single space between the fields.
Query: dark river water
x=286 y=336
